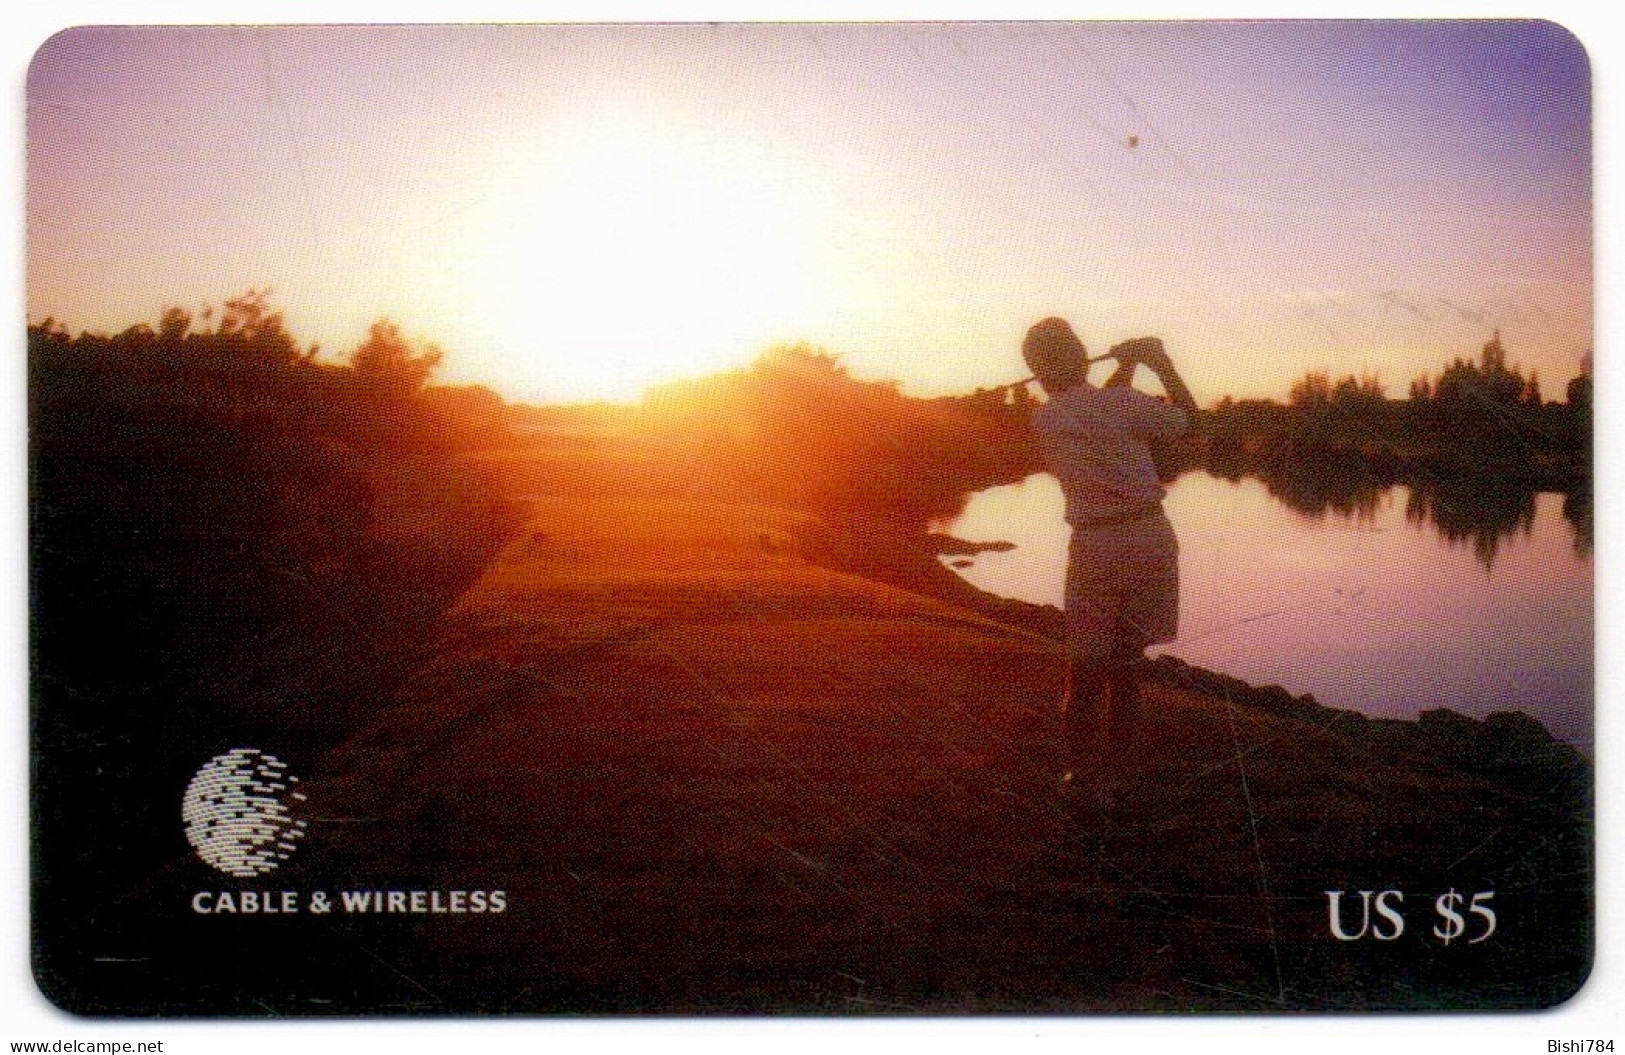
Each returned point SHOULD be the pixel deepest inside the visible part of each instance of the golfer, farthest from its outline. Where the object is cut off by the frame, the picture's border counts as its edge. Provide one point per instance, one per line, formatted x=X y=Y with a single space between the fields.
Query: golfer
x=1122 y=577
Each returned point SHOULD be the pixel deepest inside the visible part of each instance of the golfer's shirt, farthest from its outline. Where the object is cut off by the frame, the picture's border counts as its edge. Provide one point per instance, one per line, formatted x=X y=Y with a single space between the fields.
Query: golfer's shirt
x=1097 y=443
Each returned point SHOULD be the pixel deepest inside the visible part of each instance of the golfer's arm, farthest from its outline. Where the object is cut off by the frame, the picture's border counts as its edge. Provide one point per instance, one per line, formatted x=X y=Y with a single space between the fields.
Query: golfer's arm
x=1123 y=376
x=1177 y=391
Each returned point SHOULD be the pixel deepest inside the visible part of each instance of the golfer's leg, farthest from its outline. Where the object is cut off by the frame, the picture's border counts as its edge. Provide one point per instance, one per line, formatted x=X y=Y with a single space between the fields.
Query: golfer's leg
x=1125 y=722
x=1090 y=632
x=1086 y=721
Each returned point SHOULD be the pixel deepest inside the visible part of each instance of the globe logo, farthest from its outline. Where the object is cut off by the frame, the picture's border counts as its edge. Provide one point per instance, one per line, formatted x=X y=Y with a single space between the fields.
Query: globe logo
x=237 y=812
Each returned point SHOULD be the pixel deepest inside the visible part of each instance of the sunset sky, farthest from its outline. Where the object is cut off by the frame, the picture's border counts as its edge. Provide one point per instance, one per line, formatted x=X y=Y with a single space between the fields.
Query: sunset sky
x=575 y=212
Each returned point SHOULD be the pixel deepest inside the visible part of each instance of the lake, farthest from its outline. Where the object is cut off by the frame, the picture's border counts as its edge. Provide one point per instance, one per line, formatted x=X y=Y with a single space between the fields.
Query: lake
x=1375 y=608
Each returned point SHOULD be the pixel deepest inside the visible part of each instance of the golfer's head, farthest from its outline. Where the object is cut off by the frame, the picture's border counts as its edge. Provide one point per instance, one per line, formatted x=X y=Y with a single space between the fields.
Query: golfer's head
x=1055 y=355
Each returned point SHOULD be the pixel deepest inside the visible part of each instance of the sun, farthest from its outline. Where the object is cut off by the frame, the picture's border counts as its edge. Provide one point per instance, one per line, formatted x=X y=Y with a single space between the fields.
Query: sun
x=636 y=257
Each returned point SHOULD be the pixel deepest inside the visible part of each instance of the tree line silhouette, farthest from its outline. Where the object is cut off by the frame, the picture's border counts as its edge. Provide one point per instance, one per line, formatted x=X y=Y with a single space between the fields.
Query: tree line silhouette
x=1470 y=415
x=795 y=427
x=231 y=542
x=1472 y=444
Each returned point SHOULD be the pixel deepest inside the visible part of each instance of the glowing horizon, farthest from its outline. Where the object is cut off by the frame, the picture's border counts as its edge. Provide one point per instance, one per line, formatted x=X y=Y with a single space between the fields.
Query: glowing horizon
x=576 y=212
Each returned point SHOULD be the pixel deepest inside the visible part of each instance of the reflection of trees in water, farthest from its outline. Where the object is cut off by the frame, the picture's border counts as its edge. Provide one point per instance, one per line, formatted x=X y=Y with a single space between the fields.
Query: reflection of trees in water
x=1317 y=492
x=1317 y=484
x=1484 y=510
x=1577 y=511
x=1480 y=509
x=1477 y=511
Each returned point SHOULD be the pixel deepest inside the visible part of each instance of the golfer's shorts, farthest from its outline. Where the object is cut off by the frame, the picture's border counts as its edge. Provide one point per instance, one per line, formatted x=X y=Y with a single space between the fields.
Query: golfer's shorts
x=1122 y=587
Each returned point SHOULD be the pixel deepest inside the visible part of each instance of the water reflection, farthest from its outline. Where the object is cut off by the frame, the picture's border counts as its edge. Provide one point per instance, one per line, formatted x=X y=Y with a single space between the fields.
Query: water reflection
x=1478 y=517
x=1577 y=511
x=1464 y=504
x=1390 y=600
x=1317 y=485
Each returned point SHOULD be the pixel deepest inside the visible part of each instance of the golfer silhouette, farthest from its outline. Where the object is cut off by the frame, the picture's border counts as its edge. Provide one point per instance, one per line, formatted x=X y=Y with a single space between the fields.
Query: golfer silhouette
x=1122 y=577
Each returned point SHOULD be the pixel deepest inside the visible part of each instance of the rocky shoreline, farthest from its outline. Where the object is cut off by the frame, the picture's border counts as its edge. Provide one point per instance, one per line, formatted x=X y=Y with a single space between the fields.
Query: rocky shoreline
x=1508 y=746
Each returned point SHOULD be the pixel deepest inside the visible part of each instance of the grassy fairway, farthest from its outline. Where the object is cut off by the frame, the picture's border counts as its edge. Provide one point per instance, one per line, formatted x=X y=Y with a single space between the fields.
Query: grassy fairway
x=711 y=775
x=691 y=756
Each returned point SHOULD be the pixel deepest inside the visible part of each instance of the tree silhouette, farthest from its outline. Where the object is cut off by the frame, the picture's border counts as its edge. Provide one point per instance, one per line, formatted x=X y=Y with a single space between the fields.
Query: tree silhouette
x=389 y=365
x=250 y=326
x=174 y=325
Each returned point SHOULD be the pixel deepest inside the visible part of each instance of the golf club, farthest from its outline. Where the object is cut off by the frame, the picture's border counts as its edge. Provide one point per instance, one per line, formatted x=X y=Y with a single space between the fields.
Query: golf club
x=1088 y=360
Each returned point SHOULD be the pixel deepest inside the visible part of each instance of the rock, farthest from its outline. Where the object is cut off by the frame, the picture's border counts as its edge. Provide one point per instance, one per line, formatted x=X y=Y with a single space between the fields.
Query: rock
x=949 y=546
x=1517 y=727
x=1277 y=700
x=1168 y=668
x=1441 y=721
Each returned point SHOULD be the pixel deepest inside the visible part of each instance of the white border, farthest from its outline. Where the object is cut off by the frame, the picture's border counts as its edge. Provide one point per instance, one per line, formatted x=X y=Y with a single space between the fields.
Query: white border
x=1594 y=1013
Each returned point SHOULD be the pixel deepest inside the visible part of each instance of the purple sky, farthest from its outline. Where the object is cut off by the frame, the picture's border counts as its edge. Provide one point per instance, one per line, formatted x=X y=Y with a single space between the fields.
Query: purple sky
x=574 y=212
